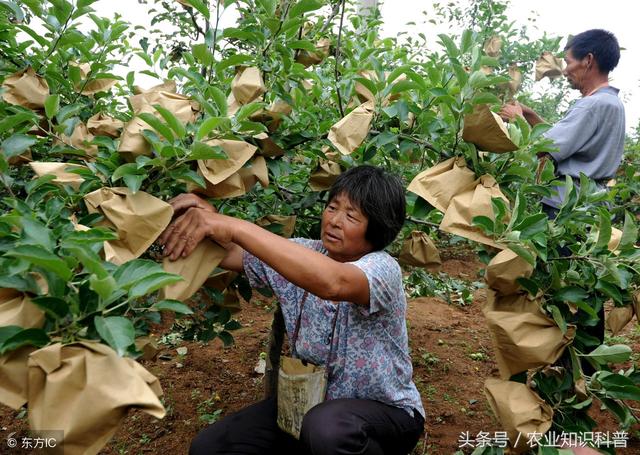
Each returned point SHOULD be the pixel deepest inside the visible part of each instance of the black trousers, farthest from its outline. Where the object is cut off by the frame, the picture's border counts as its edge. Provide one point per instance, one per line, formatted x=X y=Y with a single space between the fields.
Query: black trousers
x=343 y=426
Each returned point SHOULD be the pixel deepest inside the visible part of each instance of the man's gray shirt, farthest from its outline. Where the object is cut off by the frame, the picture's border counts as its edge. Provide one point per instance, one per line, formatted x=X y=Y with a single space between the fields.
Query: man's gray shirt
x=590 y=139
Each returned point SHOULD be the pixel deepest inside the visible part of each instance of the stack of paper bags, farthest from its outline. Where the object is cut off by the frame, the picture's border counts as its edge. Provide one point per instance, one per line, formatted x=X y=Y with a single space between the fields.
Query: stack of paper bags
x=519 y=410
x=137 y=218
x=419 y=250
x=438 y=184
x=61 y=171
x=349 y=132
x=132 y=142
x=523 y=336
x=548 y=66
x=235 y=175
x=487 y=131
x=85 y=389
x=247 y=86
x=474 y=201
x=25 y=88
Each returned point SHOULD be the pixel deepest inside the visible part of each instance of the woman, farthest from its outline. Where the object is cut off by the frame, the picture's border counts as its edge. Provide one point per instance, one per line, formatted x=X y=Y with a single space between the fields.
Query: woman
x=372 y=405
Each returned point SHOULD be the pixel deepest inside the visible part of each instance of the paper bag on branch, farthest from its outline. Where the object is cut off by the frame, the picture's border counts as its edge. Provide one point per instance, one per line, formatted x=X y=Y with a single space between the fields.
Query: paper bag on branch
x=195 y=269
x=148 y=345
x=349 y=132
x=614 y=241
x=16 y=309
x=238 y=153
x=166 y=86
x=492 y=46
x=307 y=58
x=25 y=88
x=271 y=116
x=618 y=318
x=475 y=201
x=61 y=171
x=287 y=223
x=233 y=106
x=487 y=131
x=548 y=66
x=523 y=336
x=438 y=184
x=268 y=146
x=323 y=176
x=14 y=376
x=137 y=218
x=504 y=269
x=239 y=183
x=221 y=280
x=85 y=389
x=419 y=251
x=514 y=84
x=247 y=85
x=519 y=410
x=104 y=125
x=80 y=139
x=94 y=85
x=23 y=158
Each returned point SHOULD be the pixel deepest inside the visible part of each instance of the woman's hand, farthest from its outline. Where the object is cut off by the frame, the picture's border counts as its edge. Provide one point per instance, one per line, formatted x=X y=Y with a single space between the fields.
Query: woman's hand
x=511 y=111
x=185 y=201
x=183 y=235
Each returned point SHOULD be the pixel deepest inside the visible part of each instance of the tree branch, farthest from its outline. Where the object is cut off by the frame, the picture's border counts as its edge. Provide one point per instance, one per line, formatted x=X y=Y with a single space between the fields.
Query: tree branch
x=337 y=60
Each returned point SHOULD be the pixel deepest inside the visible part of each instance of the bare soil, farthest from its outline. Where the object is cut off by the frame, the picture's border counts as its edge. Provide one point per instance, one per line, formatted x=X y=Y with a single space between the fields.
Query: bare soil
x=450 y=347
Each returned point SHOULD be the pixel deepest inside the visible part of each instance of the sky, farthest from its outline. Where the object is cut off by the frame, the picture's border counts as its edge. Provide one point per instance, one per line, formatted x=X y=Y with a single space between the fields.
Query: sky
x=555 y=17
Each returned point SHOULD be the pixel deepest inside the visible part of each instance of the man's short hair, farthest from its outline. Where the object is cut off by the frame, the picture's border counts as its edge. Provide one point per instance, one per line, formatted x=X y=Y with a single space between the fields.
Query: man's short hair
x=601 y=43
x=380 y=197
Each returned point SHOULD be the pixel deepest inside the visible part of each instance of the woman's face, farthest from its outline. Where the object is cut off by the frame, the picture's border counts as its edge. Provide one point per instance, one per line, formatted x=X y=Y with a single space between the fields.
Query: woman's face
x=343 y=230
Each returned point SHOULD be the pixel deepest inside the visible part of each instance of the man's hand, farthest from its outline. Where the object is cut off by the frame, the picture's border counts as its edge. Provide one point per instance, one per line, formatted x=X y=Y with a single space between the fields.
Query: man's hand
x=511 y=111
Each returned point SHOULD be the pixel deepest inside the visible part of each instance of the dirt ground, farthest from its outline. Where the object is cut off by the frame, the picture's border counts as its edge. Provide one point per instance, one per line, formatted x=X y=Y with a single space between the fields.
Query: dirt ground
x=450 y=348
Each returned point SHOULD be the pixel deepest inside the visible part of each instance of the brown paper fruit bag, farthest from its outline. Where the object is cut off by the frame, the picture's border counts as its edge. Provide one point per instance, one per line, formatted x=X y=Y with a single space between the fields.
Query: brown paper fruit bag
x=16 y=309
x=247 y=85
x=80 y=139
x=238 y=153
x=85 y=389
x=349 y=132
x=93 y=86
x=519 y=410
x=438 y=184
x=492 y=46
x=267 y=146
x=271 y=116
x=487 y=131
x=512 y=87
x=148 y=345
x=61 y=171
x=323 y=176
x=195 y=269
x=523 y=336
x=476 y=201
x=307 y=58
x=103 y=125
x=419 y=250
x=548 y=66
x=25 y=88
x=239 y=183
x=221 y=280
x=14 y=376
x=286 y=223
x=137 y=218
x=166 y=86
x=503 y=270
x=618 y=318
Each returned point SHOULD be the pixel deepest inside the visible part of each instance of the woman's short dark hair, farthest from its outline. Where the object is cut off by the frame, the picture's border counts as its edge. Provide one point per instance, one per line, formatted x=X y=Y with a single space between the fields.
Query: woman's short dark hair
x=601 y=43
x=380 y=197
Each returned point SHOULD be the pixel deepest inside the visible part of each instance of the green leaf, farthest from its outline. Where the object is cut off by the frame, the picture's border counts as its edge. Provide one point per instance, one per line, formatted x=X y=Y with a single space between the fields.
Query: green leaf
x=234 y=60
x=226 y=337
x=53 y=306
x=13 y=8
x=117 y=331
x=126 y=169
x=90 y=260
x=16 y=144
x=529 y=285
x=172 y=305
x=36 y=233
x=247 y=110
x=152 y=283
x=571 y=294
x=302 y=44
x=219 y=98
x=269 y=6
x=202 y=151
x=403 y=86
x=42 y=258
x=618 y=386
x=202 y=53
x=485 y=98
x=304 y=6
x=133 y=271
x=26 y=337
x=104 y=287
x=531 y=226
x=609 y=289
x=557 y=316
x=8 y=331
x=51 y=105
x=157 y=125
x=201 y=7
x=449 y=45
x=523 y=253
x=368 y=84
x=485 y=223
x=175 y=124
x=615 y=354
x=210 y=124
x=629 y=233
x=604 y=232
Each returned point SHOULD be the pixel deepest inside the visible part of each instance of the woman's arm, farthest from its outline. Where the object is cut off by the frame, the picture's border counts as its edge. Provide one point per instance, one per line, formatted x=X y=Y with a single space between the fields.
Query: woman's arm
x=308 y=269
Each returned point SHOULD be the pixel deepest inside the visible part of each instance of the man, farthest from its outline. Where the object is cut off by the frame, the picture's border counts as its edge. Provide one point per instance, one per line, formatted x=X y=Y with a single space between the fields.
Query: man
x=590 y=138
